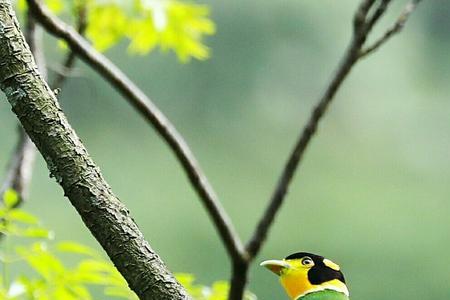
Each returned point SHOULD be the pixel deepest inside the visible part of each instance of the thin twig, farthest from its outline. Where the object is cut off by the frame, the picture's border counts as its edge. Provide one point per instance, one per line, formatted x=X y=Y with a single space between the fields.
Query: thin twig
x=20 y=167
x=359 y=19
x=362 y=28
x=363 y=24
x=33 y=36
x=277 y=199
x=70 y=59
x=360 y=32
x=153 y=115
x=378 y=13
x=394 y=29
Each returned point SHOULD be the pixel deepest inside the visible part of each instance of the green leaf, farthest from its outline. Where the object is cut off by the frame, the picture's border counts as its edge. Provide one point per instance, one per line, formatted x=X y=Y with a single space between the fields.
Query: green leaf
x=95 y=266
x=61 y=292
x=107 y=25
x=42 y=261
x=219 y=291
x=73 y=247
x=55 y=6
x=91 y=278
x=21 y=5
x=37 y=232
x=121 y=292
x=143 y=35
x=56 y=281
x=78 y=290
x=10 y=229
x=21 y=216
x=96 y=271
x=10 y=198
x=171 y=25
x=185 y=279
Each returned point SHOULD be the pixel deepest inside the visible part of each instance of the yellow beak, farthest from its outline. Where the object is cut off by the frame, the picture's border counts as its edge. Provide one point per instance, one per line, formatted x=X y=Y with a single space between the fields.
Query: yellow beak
x=275 y=266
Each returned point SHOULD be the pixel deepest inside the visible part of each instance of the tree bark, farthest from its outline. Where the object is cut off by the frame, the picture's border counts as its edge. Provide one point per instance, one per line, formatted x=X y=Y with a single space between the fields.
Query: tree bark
x=69 y=163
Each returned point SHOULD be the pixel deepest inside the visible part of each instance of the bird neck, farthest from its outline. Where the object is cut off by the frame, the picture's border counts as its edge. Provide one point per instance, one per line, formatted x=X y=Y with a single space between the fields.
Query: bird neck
x=297 y=285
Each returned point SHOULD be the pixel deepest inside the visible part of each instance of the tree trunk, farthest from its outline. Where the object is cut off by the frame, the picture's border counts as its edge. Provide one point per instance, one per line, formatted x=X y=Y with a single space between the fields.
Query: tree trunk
x=68 y=161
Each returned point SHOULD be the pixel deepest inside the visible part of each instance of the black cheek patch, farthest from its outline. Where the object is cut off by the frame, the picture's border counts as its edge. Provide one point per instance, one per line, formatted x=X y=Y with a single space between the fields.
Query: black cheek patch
x=321 y=273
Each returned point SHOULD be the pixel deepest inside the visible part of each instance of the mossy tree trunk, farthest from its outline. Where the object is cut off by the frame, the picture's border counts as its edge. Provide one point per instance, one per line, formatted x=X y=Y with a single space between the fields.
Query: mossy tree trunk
x=69 y=163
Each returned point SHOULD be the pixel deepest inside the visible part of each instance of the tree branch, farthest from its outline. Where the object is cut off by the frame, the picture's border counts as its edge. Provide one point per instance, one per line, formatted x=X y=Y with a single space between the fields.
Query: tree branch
x=362 y=26
x=20 y=167
x=151 y=114
x=70 y=59
x=364 y=21
x=378 y=13
x=239 y=277
x=394 y=29
x=33 y=36
x=107 y=218
x=361 y=31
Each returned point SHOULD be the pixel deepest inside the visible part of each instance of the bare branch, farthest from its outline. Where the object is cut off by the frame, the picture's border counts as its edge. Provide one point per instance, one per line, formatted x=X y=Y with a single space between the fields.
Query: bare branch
x=239 y=277
x=394 y=29
x=20 y=168
x=378 y=13
x=33 y=36
x=362 y=27
x=153 y=115
x=364 y=21
x=69 y=61
x=349 y=60
x=359 y=20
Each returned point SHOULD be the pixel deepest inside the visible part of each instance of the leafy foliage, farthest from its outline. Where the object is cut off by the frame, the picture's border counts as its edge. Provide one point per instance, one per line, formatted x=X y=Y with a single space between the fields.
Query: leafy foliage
x=218 y=290
x=147 y=24
x=53 y=278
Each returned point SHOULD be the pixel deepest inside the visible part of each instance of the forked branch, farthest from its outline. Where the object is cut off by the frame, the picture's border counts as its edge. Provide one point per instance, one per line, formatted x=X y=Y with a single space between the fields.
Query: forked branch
x=151 y=114
x=394 y=29
x=364 y=21
x=366 y=17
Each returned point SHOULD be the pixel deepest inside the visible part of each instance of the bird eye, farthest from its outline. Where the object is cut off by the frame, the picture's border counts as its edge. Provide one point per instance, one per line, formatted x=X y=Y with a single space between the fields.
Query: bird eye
x=307 y=261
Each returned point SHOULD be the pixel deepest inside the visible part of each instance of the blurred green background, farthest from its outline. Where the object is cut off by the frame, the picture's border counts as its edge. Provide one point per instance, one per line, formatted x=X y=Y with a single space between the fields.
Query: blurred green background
x=373 y=191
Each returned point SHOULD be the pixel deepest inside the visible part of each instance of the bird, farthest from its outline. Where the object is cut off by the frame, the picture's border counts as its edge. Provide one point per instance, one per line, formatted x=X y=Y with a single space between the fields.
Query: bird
x=307 y=276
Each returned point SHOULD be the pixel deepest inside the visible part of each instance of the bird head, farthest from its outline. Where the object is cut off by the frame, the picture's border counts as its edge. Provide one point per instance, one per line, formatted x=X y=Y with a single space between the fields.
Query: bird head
x=304 y=273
